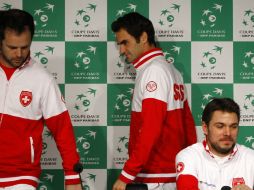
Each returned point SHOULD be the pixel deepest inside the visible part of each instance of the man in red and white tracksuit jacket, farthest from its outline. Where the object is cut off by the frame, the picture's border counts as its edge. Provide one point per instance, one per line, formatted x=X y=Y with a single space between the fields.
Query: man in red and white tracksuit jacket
x=200 y=169
x=161 y=121
x=30 y=97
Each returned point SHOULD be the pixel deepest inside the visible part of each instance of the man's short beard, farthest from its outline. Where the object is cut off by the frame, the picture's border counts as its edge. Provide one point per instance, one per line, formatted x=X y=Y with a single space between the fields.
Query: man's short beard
x=223 y=151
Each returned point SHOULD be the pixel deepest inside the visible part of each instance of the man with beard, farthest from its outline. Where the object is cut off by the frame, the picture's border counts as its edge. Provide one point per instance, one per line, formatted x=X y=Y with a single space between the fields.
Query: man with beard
x=29 y=98
x=218 y=162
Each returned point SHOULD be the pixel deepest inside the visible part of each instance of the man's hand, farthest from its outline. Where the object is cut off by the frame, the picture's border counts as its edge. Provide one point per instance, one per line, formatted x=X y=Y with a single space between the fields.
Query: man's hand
x=119 y=185
x=241 y=187
x=73 y=187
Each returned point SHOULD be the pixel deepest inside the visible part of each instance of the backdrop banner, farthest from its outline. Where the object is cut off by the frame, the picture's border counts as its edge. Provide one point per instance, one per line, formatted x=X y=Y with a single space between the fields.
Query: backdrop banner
x=211 y=42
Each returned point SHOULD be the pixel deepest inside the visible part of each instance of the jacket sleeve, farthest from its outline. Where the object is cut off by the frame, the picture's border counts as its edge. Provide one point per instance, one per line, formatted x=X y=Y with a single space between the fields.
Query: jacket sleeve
x=153 y=114
x=187 y=162
x=58 y=122
x=189 y=124
x=153 y=90
x=187 y=182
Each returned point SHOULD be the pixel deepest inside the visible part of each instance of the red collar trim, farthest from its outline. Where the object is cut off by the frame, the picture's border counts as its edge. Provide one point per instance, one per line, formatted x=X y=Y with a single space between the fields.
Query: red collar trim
x=206 y=147
x=147 y=56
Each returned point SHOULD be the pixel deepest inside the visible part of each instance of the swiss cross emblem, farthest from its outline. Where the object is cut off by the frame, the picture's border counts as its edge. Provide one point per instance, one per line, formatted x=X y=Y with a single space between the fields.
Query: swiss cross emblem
x=179 y=167
x=25 y=98
x=238 y=181
x=151 y=86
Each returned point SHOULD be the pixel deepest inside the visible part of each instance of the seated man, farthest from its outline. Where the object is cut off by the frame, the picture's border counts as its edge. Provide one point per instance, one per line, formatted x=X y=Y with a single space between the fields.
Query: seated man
x=218 y=162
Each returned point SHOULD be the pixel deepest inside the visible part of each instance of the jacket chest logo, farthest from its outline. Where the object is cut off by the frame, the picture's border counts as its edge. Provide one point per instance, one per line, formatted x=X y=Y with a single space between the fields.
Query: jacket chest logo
x=237 y=181
x=25 y=98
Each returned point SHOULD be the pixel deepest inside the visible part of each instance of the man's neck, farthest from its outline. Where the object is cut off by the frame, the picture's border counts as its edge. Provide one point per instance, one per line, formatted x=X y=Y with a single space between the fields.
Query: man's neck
x=8 y=70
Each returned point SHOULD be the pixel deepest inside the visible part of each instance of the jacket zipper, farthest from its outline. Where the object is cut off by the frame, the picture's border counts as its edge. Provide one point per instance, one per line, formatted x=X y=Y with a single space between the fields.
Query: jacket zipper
x=32 y=149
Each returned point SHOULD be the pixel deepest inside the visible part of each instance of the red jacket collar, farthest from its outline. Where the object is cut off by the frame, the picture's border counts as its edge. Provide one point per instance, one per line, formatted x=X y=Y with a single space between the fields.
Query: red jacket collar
x=147 y=56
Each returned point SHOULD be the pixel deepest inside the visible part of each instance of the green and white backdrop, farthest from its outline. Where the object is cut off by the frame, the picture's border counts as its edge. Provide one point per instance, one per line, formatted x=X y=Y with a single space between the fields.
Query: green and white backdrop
x=209 y=41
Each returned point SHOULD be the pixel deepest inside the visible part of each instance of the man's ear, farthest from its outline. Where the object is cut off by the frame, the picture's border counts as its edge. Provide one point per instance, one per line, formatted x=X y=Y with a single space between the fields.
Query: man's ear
x=204 y=128
x=143 y=37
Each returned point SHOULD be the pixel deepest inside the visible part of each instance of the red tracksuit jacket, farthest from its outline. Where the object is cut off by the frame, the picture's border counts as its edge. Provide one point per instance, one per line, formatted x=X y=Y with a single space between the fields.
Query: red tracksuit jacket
x=161 y=121
x=28 y=100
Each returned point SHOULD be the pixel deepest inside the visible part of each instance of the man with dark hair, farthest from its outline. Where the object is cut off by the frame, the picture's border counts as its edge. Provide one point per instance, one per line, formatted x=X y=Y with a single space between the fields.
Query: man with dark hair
x=29 y=97
x=161 y=122
x=219 y=162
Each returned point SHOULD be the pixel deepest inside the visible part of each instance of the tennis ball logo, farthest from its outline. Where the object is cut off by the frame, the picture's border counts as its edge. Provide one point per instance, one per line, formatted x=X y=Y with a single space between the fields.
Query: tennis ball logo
x=86 y=60
x=212 y=60
x=126 y=102
x=86 y=18
x=212 y=18
x=44 y=60
x=86 y=145
x=170 y=18
x=44 y=18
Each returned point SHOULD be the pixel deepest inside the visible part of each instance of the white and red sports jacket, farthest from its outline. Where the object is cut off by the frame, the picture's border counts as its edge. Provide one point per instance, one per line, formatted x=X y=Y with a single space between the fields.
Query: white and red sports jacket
x=28 y=100
x=199 y=169
x=161 y=121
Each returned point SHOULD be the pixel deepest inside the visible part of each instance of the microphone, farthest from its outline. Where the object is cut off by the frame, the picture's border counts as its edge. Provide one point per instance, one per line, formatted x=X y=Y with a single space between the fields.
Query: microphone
x=136 y=186
x=78 y=167
x=226 y=188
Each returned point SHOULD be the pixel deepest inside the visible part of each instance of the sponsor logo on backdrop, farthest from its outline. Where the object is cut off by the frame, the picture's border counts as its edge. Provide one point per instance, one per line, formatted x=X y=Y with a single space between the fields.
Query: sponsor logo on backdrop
x=83 y=58
x=210 y=58
x=173 y=52
x=43 y=14
x=120 y=104
x=121 y=149
x=249 y=60
x=86 y=62
x=247 y=29
x=209 y=15
x=82 y=20
x=208 y=21
x=87 y=104
x=85 y=145
x=167 y=16
x=123 y=101
x=48 y=160
x=167 y=19
x=91 y=146
x=42 y=17
x=84 y=100
x=247 y=66
x=42 y=56
x=83 y=16
x=248 y=18
x=84 y=142
x=212 y=65
x=248 y=108
x=178 y=53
